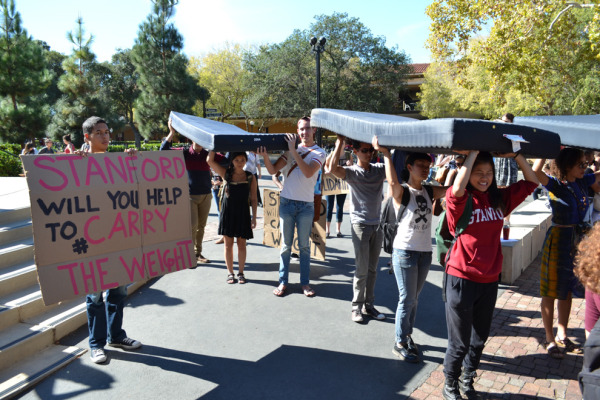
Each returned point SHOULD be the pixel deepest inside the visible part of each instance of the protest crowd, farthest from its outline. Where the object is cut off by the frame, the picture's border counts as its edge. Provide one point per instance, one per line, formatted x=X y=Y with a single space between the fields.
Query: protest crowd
x=475 y=193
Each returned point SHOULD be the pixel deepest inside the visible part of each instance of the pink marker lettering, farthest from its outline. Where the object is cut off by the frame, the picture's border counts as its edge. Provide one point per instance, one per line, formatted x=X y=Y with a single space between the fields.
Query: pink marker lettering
x=38 y=163
x=86 y=229
x=70 y=267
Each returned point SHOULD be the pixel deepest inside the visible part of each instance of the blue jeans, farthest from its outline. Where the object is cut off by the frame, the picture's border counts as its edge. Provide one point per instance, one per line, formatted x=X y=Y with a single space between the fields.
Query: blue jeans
x=411 y=269
x=295 y=214
x=106 y=319
x=339 y=200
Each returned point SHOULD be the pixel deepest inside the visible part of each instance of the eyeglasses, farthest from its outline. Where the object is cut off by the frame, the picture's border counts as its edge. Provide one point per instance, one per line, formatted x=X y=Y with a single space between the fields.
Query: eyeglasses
x=364 y=150
x=583 y=165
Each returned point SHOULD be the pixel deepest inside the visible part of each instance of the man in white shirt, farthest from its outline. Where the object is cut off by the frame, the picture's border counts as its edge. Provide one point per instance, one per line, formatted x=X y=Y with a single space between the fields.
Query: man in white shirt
x=299 y=168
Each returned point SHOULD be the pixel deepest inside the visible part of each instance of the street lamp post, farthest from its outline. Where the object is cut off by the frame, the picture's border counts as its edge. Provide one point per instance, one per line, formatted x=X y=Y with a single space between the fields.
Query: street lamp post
x=318 y=46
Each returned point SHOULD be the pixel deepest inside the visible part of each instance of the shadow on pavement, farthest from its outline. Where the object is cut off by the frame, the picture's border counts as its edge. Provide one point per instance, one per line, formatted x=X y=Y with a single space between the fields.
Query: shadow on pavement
x=289 y=371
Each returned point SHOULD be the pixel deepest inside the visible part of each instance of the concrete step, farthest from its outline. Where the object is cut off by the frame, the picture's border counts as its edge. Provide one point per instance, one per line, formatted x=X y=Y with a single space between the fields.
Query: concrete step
x=20 y=213
x=25 y=374
x=21 y=341
x=16 y=252
x=64 y=318
x=14 y=231
x=27 y=302
x=17 y=277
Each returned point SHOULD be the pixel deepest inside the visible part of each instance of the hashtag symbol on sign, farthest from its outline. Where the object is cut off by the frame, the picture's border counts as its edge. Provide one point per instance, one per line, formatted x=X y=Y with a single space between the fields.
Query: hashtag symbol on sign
x=80 y=246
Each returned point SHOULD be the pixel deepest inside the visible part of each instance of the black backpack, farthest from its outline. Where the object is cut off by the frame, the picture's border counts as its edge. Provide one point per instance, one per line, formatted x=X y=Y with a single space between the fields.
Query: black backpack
x=444 y=240
x=389 y=222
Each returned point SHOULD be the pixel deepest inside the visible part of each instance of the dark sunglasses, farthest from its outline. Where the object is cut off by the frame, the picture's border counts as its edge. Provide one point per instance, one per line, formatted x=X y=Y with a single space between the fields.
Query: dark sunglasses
x=369 y=150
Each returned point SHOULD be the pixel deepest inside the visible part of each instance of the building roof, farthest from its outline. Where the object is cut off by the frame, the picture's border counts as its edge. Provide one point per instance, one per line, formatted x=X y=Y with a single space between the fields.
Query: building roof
x=419 y=68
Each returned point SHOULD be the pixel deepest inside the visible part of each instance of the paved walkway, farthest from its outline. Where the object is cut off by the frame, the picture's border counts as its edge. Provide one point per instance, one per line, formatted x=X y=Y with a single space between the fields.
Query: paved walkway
x=203 y=338
x=514 y=363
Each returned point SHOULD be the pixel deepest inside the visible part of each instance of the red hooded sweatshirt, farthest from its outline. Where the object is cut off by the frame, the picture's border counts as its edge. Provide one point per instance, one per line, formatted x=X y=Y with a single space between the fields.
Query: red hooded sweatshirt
x=477 y=254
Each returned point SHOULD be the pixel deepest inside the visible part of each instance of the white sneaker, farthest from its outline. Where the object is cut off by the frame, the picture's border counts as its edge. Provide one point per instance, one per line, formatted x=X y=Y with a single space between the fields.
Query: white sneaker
x=356 y=315
x=98 y=356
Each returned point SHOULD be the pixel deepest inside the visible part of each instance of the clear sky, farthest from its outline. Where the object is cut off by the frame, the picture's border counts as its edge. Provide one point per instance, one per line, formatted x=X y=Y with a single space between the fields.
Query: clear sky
x=207 y=24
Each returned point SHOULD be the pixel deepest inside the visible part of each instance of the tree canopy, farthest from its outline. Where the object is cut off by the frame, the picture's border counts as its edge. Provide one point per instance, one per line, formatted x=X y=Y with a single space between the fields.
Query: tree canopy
x=80 y=99
x=513 y=56
x=23 y=78
x=358 y=71
x=222 y=74
x=164 y=81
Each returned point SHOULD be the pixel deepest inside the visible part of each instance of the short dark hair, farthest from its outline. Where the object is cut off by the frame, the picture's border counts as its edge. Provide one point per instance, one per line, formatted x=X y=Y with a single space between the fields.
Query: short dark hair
x=410 y=160
x=90 y=123
x=67 y=138
x=304 y=118
x=509 y=117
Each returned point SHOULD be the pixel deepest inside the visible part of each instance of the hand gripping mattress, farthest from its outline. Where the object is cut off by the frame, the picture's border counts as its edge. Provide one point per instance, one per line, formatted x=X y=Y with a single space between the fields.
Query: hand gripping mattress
x=219 y=136
x=436 y=135
x=574 y=130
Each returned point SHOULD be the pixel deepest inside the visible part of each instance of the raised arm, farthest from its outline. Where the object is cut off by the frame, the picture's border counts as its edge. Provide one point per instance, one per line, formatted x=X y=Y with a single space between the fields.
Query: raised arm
x=308 y=170
x=538 y=170
x=272 y=169
x=463 y=175
x=394 y=185
x=528 y=173
x=335 y=167
x=275 y=179
x=220 y=170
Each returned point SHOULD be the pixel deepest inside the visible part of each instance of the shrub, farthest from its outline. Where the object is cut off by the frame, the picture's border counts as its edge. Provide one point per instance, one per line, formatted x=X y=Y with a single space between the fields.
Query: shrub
x=10 y=165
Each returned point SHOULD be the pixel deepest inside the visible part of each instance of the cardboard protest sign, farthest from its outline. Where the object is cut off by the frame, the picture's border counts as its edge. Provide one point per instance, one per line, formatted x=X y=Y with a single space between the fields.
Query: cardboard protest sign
x=272 y=234
x=334 y=185
x=107 y=220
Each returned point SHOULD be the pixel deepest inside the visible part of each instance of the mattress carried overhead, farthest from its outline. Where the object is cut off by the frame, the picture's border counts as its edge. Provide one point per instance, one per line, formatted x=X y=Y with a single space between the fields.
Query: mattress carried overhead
x=574 y=130
x=437 y=135
x=219 y=136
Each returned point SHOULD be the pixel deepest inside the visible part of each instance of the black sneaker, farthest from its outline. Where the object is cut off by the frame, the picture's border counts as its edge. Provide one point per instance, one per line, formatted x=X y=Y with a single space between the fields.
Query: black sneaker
x=401 y=350
x=412 y=346
x=373 y=313
x=127 y=344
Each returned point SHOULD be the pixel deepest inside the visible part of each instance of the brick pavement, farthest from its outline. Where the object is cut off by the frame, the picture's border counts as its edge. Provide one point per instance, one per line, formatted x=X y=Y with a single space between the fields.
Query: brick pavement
x=514 y=363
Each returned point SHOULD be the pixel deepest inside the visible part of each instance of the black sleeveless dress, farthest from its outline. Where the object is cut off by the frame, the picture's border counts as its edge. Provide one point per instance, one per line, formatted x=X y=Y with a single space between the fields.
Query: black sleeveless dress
x=235 y=218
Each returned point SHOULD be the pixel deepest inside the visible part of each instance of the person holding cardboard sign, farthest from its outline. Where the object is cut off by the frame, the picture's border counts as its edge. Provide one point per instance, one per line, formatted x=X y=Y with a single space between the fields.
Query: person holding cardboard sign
x=300 y=169
x=105 y=319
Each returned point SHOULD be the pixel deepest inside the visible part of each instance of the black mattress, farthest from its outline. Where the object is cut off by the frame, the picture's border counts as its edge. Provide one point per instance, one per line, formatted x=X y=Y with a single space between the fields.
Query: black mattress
x=222 y=137
x=574 y=130
x=436 y=135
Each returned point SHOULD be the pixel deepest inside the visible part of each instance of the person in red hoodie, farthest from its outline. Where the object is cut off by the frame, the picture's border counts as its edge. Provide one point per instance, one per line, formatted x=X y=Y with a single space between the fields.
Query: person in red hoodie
x=475 y=263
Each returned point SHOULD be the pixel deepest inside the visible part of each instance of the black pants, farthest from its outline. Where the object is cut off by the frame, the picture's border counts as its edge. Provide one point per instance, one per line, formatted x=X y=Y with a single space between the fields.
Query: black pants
x=469 y=309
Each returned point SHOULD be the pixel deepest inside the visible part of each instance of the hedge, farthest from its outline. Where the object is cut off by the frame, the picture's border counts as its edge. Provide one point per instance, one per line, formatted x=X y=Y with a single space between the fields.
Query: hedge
x=10 y=163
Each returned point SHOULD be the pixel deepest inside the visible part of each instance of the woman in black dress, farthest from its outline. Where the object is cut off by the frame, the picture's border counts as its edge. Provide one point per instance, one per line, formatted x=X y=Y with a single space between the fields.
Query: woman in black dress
x=235 y=221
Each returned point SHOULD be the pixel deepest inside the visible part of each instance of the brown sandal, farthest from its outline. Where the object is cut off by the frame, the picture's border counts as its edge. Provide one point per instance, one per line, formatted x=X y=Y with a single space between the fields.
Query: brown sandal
x=568 y=345
x=230 y=279
x=241 y=279
x=553 y=350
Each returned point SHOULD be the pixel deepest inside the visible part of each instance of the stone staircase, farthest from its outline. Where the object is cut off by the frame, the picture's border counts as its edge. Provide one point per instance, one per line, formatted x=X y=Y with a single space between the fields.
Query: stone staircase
x=29 y=330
